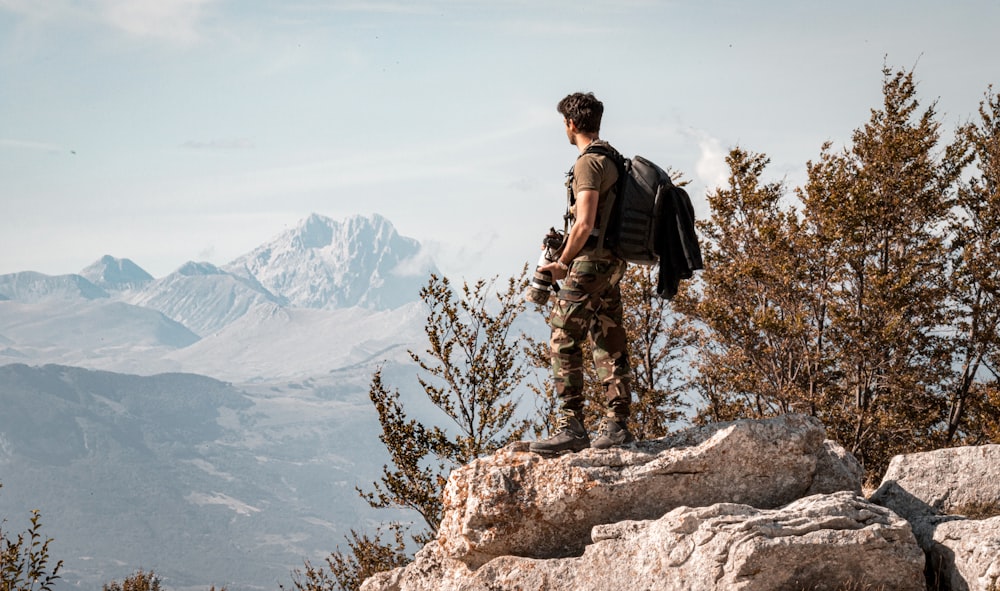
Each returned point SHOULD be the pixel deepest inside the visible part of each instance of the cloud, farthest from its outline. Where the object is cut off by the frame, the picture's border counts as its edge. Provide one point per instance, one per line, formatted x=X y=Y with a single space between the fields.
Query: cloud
x=711 y=166
x=226 y=144
x=419 y=265
x=33 y=8
x=169 y=20
x=28 y=145
x=174 y=21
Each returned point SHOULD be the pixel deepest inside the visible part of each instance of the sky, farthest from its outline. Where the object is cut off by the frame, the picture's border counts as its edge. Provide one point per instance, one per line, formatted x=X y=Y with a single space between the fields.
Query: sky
x=167 y=131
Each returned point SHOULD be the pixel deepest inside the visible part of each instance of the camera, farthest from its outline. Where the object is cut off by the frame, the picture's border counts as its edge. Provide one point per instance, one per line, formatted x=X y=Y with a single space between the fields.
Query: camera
x=541 y=284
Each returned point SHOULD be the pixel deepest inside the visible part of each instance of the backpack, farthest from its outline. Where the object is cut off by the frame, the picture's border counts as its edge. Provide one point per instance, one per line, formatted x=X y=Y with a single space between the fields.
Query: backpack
x=650 y=221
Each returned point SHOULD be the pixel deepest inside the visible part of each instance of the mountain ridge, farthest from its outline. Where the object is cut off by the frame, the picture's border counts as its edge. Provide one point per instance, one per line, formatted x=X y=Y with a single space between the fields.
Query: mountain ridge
x=358 y=269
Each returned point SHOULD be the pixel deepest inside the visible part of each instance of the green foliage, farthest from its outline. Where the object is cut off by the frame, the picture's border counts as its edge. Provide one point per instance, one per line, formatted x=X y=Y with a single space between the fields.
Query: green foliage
x=24 y=559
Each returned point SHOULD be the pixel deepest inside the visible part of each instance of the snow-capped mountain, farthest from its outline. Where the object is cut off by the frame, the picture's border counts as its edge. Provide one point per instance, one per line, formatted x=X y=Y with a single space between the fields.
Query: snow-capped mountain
x=326 y=264
x=204 y=298
x=231 y=477
x=29 y=286
x=359 y=277
x=114 y=274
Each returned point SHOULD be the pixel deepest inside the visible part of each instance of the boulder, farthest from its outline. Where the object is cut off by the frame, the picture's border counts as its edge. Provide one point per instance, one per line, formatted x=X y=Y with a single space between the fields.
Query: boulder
x=516 y=503
x=963 y=554
x=941 y=481
x=820 y=543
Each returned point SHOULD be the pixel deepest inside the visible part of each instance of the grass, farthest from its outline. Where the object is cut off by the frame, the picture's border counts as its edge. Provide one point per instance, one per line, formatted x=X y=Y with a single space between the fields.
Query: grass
x=978 y=510
x=852 y=586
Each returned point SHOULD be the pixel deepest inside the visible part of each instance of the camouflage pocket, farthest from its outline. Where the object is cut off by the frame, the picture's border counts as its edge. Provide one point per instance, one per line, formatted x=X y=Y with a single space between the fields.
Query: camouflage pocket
x=585 y=279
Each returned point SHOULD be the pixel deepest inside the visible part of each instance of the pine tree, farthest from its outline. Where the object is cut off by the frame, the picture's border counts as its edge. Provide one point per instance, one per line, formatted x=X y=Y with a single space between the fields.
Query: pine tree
x=974 y=402
x=881 y=207
x=755 y=311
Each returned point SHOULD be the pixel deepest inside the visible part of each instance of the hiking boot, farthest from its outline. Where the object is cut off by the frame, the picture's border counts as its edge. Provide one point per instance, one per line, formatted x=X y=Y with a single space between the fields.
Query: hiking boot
x=612 y=432
x=570 y=436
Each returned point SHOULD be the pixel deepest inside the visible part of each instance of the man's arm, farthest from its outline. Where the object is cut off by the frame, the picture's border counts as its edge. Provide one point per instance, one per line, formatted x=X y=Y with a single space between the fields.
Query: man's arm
x=586 y=216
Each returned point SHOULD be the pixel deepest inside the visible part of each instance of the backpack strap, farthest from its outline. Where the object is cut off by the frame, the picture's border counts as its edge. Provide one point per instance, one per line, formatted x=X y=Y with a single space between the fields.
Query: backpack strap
x=622 y=165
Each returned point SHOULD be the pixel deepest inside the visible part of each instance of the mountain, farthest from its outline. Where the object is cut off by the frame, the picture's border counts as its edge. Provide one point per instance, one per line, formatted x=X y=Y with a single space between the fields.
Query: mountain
x=322 y=263
x=29 y=286
x=202 y=481
x=359 y=277
x=288 y=343
x=205 y=298
x=212 y=424
x=112 y=274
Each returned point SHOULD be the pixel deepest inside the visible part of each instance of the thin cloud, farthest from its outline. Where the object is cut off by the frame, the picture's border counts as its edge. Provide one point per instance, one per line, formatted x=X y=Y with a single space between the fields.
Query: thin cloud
x=711 y=166
x=169 y=20
x=29 y=145
x=371 y=6
x=174 y=21
x=222 y=145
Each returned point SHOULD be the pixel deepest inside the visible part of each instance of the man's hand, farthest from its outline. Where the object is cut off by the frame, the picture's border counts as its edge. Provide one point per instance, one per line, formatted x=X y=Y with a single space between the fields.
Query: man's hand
x=555 y=270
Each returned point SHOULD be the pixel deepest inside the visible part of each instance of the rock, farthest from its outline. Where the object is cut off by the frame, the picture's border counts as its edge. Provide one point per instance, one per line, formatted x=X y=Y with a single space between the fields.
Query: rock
x=963 y=554
x=941 y=481
x=820 y=543
x=517 y=503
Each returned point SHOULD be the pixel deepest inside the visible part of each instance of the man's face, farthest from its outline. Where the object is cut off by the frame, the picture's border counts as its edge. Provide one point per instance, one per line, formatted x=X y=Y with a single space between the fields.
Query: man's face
x=570 y=131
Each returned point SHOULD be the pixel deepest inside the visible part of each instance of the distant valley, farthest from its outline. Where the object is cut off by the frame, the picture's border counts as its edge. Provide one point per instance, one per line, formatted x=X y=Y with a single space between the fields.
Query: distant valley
x=211 y=424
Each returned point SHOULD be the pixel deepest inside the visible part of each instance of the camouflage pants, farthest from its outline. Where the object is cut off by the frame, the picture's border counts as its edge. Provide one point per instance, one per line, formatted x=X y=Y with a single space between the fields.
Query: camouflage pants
x=590 y=304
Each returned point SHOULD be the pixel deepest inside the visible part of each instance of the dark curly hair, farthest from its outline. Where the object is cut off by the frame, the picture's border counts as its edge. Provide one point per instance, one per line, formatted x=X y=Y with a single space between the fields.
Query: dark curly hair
x=583 y=109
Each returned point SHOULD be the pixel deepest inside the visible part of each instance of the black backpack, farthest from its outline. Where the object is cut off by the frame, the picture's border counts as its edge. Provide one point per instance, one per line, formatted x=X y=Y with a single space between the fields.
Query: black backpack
x=650 y=221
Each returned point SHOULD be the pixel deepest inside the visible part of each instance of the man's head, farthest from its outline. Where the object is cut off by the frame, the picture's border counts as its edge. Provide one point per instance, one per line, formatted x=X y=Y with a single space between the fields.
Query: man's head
x=584 y=110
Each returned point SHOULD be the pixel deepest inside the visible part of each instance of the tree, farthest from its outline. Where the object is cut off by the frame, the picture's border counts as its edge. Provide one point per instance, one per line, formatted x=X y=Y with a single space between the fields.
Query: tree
x=972 y=405
x=348 y=570
x=881 y=206
x=658 y=341
x=24 y=559
x=471 y=371
x=138 y=581
x=756 y=312
x=840 y=304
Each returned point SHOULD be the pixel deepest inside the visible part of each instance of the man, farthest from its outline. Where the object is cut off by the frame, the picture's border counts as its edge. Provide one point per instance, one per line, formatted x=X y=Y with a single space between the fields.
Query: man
x=589 y=300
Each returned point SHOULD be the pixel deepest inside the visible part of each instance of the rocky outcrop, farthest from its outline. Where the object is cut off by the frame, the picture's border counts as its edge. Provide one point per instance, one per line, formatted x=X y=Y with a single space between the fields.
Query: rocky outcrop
x=963 y=554
x=941 y=481
x=516 y=503
x=936 y=491
x=820 y=543
x=748 y=505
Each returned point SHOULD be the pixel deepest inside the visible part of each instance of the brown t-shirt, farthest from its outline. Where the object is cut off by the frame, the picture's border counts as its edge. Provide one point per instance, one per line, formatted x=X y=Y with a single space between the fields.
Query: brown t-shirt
x=594 y=172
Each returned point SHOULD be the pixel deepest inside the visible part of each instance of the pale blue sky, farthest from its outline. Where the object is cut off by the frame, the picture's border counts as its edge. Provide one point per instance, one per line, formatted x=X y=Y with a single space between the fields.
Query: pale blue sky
x=174 y=130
